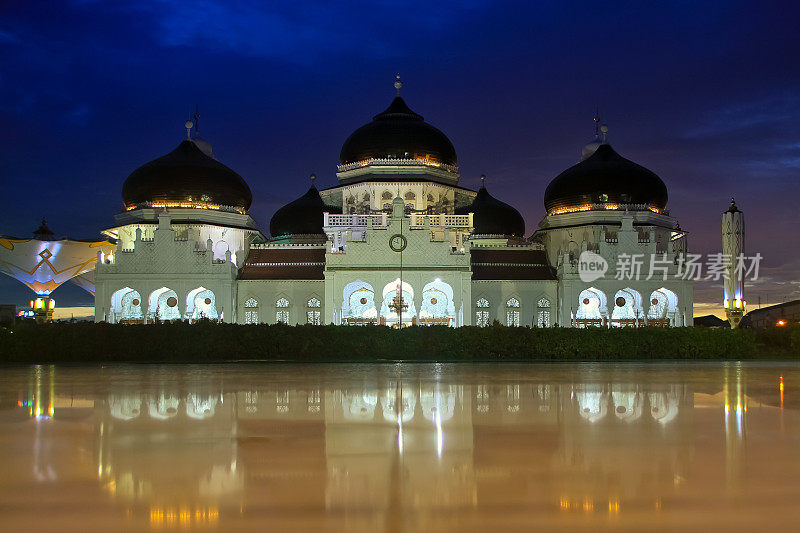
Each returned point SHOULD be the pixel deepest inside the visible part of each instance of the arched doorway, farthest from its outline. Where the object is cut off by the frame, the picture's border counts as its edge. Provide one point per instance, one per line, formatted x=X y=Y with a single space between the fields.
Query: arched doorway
x=437 y=307
x=201 y=303
x=126 y=307
x=627 y=308
x=663 y=309
x=592 y=308
x=358 y=304
x=395 y=293
x=163 y=304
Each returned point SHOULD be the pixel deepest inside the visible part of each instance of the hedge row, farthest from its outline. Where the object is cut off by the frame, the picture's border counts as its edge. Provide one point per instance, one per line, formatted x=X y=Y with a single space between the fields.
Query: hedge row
x=209 y=342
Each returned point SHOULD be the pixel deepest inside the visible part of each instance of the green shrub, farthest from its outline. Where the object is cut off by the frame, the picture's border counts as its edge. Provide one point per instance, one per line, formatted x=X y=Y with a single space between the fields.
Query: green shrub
x=210 y=342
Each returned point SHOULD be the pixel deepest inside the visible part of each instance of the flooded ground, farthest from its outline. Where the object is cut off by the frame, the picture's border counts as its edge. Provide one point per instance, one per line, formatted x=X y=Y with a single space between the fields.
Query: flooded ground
x=400 y=447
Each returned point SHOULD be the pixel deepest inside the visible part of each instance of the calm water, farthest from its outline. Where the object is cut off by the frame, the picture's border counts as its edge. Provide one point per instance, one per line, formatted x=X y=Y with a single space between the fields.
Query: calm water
x=400 y=447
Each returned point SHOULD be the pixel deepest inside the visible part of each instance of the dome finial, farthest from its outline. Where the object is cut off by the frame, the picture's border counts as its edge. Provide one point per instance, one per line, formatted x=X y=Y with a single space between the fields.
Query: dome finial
x=398 y=84
x=188 y=125
x=313 y=179
x=596 y=120
x=483 y=181
x=604 y=133
x=196 y=119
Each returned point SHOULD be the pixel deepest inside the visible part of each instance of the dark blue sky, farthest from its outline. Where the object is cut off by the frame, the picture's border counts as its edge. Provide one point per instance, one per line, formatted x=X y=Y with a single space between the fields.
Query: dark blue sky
x=706 y=94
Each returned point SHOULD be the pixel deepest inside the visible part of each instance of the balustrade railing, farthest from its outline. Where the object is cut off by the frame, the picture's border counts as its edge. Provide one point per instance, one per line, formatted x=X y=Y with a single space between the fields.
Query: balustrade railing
x=379 y=220
x=397 y=163
x=353 y=221
x=442 y=220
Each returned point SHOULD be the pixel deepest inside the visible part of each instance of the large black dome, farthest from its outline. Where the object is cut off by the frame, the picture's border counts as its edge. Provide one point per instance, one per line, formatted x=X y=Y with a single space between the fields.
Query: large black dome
x=493 y=217
x=303 y=216
x=605 y=177
x=186 y=175
x=398 y=133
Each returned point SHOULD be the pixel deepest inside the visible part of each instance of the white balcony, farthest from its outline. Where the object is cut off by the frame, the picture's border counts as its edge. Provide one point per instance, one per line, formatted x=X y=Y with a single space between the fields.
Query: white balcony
x=333 y=221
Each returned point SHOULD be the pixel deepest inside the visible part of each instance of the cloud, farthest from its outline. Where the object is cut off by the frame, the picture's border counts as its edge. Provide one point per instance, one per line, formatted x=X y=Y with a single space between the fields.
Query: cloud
x=8 y=37
x=301 y=33
x=774 y=111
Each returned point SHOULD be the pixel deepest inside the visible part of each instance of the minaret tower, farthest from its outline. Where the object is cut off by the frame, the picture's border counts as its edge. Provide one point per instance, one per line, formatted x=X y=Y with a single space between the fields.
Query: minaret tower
x=733 y=247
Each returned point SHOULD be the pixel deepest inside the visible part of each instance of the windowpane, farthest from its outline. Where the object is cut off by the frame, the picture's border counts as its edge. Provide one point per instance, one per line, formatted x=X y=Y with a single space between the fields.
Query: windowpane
x=512 y=318
x=543 y=319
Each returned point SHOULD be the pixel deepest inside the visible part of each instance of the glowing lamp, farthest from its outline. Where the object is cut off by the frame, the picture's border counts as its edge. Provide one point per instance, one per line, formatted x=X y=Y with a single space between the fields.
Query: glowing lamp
x=725 y=303
x=781 y=322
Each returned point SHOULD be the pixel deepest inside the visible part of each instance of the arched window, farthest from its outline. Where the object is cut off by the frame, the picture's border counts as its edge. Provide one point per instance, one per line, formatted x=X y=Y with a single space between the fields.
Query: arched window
x=282 y=311
x=251 y=311
x=386 y=195
x=482 y=313
x=543 y=318
x=512 y=312
x=543 y=314
x=313 y=315
x=410 y=196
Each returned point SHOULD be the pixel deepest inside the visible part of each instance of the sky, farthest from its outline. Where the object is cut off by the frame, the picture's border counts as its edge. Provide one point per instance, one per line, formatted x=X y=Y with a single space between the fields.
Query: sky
x=705 y=94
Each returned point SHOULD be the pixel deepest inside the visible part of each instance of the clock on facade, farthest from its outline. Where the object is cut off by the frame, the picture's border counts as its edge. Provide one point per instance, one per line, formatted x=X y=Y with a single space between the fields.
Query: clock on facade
x=398 y=242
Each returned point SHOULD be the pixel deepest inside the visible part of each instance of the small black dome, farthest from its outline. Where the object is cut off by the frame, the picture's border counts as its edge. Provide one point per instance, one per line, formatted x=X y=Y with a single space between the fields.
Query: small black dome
x=493 y=217
x=398 y=133
x=605 y=177
x=303 y=216
x=186 y=174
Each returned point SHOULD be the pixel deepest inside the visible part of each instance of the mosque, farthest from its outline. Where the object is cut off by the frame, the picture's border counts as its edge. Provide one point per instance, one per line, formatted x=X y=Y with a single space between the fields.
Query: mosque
x=398 y=242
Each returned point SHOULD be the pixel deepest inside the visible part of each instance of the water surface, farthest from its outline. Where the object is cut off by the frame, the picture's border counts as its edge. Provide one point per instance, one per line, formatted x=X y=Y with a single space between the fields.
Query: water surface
x=400 y=447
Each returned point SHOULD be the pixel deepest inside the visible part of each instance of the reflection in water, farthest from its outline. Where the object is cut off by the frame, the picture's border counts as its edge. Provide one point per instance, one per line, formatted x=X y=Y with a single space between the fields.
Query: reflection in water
x=394 y=447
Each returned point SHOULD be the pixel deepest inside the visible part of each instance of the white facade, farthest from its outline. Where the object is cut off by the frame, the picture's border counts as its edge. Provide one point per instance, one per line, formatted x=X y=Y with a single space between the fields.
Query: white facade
x=399 y=244
x=650 y=283
x=166 y=277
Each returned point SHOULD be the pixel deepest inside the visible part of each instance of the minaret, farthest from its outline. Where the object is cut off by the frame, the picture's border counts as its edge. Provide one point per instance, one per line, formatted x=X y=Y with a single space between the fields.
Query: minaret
x=733 y=247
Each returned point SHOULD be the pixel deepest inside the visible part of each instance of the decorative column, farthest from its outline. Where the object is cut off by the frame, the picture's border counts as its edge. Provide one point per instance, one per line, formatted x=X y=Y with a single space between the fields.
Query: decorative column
x=733 y=247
